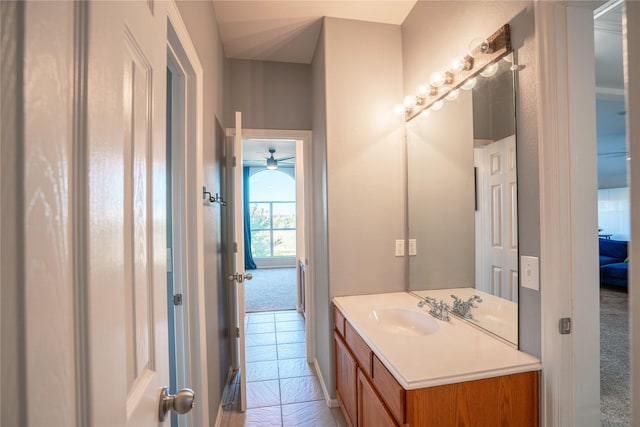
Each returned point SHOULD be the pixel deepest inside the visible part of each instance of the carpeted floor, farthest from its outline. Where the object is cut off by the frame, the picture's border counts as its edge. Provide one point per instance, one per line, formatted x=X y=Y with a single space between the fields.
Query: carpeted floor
x=271 y=289
x=615 y=393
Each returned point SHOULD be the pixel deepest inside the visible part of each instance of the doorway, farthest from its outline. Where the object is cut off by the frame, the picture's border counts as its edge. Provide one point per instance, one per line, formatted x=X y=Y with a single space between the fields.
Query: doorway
x=272 y=223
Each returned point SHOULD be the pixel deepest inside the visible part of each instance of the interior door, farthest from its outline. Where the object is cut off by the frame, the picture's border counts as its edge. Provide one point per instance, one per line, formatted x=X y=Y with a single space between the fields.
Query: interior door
x=237 y=274
x=126 y=208
x=503 y=220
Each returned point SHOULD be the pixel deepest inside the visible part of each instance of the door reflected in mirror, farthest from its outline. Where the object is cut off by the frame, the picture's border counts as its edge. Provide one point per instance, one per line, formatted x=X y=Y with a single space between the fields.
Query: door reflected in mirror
x=462 y=203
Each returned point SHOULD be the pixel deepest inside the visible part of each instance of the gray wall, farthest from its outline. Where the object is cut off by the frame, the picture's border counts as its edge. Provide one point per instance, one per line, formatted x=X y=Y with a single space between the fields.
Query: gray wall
x=358 y=169
x=428 y=48
x=199 y=18
x=441 y=196
x=270 y=95
x=319 y=255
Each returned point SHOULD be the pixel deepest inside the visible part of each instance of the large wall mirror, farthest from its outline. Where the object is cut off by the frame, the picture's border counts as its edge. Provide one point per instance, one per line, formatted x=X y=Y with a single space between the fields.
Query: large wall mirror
x=462 y=203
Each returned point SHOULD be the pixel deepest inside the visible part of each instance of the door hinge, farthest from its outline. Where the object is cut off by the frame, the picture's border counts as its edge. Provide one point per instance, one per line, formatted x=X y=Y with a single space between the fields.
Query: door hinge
x=565 y=326
x=177 y=299
x=237 y=332
x=233 y=161
x=235 y=247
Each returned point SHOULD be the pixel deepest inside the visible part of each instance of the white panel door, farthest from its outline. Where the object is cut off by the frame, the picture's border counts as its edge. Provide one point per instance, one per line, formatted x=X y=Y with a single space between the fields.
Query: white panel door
x=126 y=210
x=237 y=274
x=503 y=217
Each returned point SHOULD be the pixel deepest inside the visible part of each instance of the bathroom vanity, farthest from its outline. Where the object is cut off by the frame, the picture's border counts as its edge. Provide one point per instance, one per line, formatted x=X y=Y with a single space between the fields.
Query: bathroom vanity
x=396 y=365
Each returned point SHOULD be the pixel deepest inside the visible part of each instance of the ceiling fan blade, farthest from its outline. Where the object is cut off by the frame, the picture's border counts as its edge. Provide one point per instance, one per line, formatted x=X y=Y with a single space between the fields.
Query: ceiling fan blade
x=285 y=158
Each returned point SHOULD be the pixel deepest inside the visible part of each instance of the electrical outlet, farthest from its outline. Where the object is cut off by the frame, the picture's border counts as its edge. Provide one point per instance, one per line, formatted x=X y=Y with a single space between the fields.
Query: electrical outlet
x=400 y=247
x=413 y=247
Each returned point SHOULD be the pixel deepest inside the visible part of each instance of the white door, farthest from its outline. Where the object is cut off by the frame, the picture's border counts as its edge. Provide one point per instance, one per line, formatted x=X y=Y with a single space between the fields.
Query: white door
x=500 y=206
x=126 y=208
x=237 y=274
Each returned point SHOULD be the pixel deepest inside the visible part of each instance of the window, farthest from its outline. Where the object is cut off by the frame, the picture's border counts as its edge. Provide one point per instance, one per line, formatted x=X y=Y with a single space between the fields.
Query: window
x=272 y=210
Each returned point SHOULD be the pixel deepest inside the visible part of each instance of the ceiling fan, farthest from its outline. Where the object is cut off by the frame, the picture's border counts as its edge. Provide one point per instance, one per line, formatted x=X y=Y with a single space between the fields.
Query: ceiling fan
x=272 y=162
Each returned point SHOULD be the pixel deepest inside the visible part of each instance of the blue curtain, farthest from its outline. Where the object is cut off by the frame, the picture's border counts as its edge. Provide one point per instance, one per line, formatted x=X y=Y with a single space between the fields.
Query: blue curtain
x=249 y=264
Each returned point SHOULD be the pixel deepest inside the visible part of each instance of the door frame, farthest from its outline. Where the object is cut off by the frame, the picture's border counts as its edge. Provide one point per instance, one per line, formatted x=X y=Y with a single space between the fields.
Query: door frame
x=568 y=206
x=182 y=50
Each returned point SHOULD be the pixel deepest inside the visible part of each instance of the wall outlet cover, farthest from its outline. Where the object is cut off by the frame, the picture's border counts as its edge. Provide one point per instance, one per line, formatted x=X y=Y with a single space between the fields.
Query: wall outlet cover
x=530 y=274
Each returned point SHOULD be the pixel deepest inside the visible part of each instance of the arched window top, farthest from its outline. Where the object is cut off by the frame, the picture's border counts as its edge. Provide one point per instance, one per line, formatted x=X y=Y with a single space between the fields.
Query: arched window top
x=272 y=185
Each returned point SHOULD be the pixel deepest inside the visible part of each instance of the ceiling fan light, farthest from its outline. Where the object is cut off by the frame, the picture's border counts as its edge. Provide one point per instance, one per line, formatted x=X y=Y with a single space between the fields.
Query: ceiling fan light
x=272 y=164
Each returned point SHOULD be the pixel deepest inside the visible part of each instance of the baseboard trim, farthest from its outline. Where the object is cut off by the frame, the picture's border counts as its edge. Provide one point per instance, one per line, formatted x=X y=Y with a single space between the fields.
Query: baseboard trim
x=331 y=403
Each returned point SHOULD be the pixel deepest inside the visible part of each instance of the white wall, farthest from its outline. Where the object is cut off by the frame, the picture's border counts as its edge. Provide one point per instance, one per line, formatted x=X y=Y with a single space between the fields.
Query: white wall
x=432 y=35
x=200 y=20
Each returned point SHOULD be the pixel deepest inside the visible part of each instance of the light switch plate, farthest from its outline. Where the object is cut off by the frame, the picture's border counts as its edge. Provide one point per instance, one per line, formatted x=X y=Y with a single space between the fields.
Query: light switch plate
x=530 y=272
x=400 y=247
x=413 y=247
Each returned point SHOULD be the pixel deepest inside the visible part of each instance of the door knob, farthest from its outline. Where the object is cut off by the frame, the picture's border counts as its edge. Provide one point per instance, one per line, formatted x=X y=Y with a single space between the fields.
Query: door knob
x=239 y=277
x=181 y=402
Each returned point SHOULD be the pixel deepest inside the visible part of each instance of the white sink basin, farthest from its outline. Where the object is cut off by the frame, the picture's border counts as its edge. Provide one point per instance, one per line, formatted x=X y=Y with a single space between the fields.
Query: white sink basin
x=400 y=321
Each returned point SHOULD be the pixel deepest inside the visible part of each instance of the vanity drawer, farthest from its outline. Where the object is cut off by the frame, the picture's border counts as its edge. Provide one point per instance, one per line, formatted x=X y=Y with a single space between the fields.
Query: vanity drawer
x=339 y=321
x=359 y=348
x=389 y=389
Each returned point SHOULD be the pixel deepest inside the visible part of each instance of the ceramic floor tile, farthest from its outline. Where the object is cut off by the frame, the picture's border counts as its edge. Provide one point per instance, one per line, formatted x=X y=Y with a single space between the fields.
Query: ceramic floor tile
x=339 y=417
x=292 y=351
x=289 y=326
x=287 y=315
x=290 y=337
x=307 y=414
x=256 y=417
x=301 y=389
x=262 y=371
x=261 y=353
x=252 y=340
x=260 y=317
x=290 y=368
x=260 y=328
x=263 y=393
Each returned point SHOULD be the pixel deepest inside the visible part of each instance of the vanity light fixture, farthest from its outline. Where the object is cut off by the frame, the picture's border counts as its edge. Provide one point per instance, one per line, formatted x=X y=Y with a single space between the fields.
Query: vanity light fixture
x=482 y=58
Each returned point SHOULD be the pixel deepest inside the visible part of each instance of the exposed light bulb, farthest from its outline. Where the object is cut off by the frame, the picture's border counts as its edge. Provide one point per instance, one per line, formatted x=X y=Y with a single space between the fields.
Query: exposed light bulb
x=409 y=102
x=437 y=105
x=478 y=46
x=469 y=84
x=399 y=110
x=456 y=65
x=423 y=91
x=453 y=95
x=490 y=70
x=437 y=79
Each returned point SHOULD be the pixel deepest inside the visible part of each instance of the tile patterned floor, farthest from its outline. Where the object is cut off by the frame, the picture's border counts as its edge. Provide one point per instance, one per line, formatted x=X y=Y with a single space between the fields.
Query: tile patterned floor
x=282 y=388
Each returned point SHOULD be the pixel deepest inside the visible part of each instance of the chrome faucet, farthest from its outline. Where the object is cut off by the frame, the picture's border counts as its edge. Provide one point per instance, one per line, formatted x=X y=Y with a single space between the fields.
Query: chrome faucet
x=439 y=310
x=463 y=308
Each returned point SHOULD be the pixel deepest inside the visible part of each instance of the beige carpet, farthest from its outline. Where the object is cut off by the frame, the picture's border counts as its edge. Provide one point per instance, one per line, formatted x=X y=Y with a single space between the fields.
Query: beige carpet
x=615 y=393
x=271 y=289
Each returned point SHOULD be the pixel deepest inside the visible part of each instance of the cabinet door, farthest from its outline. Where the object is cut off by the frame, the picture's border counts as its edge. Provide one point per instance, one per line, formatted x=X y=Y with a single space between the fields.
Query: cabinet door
x=346 y=371
x=371 y=409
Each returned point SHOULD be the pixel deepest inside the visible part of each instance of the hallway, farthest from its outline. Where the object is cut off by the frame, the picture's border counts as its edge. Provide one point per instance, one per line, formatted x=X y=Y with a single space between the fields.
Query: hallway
x=282 y=388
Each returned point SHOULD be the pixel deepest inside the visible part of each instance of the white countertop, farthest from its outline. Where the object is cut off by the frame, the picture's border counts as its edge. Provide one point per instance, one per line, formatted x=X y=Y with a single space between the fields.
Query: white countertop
x=494 y=314
x=456 y=352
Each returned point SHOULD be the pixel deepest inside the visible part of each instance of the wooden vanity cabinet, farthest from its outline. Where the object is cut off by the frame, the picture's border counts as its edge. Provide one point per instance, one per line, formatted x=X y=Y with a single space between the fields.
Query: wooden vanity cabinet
x=371 y=397
x=372 y=411
x=346 y=380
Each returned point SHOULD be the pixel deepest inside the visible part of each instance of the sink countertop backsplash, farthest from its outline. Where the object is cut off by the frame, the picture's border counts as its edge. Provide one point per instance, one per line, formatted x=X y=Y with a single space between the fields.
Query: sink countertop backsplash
x=455 y=352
